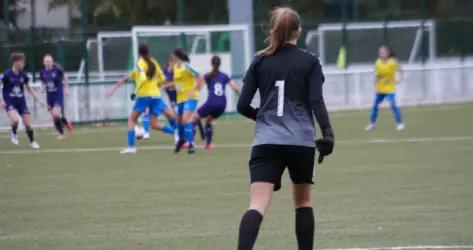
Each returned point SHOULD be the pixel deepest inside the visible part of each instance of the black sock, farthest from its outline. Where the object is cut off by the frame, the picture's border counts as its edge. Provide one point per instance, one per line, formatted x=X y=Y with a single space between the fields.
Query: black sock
x=14 y=128
x=305 y=228
x=64 y=120
x=201 y=129
x=249 y=227
x=30 y=134
x=58 y=123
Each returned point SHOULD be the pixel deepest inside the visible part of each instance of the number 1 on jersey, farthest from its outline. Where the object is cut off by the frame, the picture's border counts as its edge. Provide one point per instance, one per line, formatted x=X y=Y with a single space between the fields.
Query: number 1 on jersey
x=280 y=84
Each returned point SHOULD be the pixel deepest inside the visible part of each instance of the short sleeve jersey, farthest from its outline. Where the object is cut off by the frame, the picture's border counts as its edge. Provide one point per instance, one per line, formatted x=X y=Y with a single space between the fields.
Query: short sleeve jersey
x=52 y=79
x=14 y=85
x=386 y=76
x=184 y=78
x=146 y=86
x=216 y=88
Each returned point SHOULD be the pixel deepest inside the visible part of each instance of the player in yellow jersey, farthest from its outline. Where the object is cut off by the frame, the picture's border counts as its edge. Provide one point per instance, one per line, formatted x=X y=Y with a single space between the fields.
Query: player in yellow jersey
x=187 y=82
x=386 y=68
x=148 y=76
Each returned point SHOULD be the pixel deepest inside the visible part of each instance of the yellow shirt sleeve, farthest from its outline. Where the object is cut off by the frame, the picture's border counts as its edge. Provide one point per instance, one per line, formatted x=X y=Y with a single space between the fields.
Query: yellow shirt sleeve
x=133 y=74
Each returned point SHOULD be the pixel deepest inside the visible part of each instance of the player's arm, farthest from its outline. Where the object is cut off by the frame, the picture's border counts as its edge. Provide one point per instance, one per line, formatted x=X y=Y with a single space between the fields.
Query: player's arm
x=317 y=103
x=34 y=94
x=168 y=85
x=250 y=85
x=234 y=86
x=117 y=85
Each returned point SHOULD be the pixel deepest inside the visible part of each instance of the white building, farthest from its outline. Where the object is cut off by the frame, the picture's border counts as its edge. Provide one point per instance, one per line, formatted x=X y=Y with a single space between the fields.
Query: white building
x=43 y=16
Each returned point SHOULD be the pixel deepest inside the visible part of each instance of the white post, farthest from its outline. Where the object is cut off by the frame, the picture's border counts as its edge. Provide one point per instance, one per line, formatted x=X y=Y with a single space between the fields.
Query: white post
x=208 y=42
x=100 y=57
x=248 y=55
x=321 y=47
x=432 y=42
x=134 y=45
x=357 y=90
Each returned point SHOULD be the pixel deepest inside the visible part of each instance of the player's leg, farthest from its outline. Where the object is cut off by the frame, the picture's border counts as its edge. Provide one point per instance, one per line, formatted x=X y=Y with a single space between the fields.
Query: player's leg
x=170 y=116
x=305 y=222
x=198 y=123
x=131 y=140
x=214 y=114
x=300 y=161
x=266 y=169
x=180 y=127
x=146 y=124
x=261 y=194
x=25 y=117
x=395 y=111
x=374 y=111
x=66 y=122
x=58 y=124
x=208 y=132
x=189 y=109
x=157 y=106
x=139 y=107
x=14 y=121
x=202 y=112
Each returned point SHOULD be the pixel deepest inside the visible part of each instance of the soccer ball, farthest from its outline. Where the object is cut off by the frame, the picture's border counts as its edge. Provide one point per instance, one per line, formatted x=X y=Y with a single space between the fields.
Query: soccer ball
x=139 y=132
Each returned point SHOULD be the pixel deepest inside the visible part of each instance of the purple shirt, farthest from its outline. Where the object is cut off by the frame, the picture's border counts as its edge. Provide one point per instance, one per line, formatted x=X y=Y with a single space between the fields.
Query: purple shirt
x=216 y=88
x=52 y=79
x=14 y=85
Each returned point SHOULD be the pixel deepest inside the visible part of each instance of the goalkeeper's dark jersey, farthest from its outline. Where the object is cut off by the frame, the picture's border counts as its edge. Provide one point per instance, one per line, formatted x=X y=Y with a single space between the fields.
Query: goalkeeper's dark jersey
x=290 y=87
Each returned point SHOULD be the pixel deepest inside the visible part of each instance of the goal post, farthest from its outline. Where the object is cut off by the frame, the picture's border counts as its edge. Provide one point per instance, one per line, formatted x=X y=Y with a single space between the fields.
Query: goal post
x=230 y=42
x=405 y=37
x=238 y=36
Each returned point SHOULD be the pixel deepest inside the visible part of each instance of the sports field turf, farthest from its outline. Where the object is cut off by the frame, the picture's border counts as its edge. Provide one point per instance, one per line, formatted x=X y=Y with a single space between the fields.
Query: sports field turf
x=379 y=189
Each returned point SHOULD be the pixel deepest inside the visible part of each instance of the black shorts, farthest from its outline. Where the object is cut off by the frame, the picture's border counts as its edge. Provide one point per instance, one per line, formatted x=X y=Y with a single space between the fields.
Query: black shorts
x=268 y=162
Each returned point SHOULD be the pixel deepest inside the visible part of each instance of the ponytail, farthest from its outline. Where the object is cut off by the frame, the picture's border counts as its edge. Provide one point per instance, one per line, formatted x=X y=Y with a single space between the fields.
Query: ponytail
x=215 y=67
x=179 y=53
x=143 y=51
x=283 y=27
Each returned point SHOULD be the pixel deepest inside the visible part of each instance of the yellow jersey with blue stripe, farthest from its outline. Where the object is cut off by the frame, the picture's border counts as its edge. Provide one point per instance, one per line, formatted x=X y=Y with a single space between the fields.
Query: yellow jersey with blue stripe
x=147 y=86
x=184 y=77
x=386 y=75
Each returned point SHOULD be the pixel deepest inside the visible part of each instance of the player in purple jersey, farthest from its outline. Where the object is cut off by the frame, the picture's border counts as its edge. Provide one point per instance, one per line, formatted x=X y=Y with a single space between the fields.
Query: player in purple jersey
x=171 y=92
x=14 y=81
x=55 y=83
x=216 y=102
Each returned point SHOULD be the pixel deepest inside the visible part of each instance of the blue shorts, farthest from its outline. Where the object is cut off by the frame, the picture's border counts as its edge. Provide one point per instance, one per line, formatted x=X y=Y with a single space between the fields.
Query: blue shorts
x=211 y=109
x=18 y=104
x=55 y=99
x=155 y=105
x=189 y=105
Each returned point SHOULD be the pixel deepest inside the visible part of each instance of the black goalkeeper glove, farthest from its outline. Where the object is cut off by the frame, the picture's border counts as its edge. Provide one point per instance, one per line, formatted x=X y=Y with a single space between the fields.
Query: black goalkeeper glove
x=133 y=96
x=325 y=145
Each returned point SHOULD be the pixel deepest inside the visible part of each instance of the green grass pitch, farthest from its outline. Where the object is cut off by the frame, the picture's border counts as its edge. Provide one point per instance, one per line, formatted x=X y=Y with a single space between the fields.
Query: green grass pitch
x=379 y=189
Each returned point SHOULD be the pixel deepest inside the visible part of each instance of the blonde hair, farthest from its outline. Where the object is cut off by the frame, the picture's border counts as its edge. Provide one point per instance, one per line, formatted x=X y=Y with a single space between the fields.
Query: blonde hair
x=284 y=26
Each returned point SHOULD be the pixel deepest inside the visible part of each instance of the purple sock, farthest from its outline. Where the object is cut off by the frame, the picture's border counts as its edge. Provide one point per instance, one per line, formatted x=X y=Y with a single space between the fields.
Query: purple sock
x=208 y=133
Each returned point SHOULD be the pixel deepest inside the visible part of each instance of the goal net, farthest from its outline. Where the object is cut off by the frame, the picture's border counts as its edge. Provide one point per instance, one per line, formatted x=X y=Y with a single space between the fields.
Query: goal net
x=410 y=40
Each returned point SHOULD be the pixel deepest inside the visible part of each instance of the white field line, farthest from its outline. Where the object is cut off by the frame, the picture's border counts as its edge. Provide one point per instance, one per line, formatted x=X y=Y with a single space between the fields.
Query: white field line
x=169 y=147
x=405 y=248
